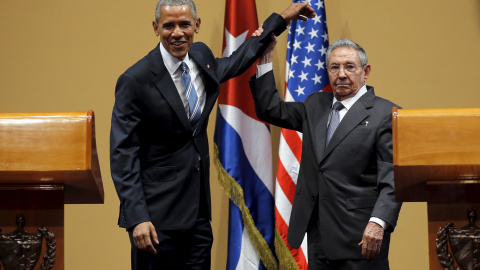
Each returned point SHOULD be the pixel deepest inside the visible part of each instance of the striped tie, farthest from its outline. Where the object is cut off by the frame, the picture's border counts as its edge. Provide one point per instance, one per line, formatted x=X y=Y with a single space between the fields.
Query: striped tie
x=334 y=120
x=191 y=93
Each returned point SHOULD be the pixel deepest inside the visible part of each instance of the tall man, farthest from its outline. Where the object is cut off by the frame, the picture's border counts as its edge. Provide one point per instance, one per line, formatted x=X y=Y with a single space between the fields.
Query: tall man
x=344 y=197
x=158 y=142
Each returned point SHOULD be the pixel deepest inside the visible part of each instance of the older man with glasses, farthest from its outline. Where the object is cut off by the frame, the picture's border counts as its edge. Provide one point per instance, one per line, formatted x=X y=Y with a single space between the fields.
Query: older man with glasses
x=345 y=196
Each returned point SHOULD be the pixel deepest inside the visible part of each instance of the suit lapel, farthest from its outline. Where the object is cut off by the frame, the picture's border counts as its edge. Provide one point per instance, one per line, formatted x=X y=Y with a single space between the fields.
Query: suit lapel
x=355 y=115
x=320 y=125
x=210 y=82
x=164 y=83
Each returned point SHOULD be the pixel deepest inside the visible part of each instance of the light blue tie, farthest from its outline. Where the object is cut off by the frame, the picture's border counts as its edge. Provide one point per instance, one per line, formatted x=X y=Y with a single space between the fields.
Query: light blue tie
x=334 y=120
x=191 y=93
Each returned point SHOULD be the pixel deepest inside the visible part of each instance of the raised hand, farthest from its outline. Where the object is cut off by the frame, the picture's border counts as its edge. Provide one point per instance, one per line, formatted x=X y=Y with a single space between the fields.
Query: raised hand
x=300 y=11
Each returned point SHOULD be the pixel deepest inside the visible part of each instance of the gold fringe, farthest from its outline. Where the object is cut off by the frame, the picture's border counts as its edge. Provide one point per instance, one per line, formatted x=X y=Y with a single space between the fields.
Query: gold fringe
x=235 y=192
x=285 y=257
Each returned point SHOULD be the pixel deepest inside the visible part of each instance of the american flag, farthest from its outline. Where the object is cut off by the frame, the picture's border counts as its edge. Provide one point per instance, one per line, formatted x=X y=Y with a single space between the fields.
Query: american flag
x=243 y=155
x=306 y=72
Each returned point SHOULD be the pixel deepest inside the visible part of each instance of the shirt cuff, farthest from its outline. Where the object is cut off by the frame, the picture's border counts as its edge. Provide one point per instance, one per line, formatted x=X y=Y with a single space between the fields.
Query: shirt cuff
x=262 y=69
x=379 y=222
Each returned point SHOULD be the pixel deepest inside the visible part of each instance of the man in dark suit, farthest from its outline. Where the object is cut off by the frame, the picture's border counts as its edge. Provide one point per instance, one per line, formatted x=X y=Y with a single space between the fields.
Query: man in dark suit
x=159 y=150
x=344 y=198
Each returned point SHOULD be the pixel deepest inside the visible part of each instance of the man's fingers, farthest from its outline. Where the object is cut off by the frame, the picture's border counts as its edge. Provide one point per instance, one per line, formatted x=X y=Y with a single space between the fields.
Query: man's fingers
x=144 y=243
x=141 y=237
x=258 y=32
x=300 y=11
x=155 y=237
x=139 y=242
x=372 y=240
x=306 y=12
x=148 y=245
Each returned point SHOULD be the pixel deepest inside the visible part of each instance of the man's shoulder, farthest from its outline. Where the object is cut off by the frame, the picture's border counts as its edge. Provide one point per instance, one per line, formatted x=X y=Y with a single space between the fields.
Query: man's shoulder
x=379 y=101
x=319 y=95
x=200 y=48
x=143 y=66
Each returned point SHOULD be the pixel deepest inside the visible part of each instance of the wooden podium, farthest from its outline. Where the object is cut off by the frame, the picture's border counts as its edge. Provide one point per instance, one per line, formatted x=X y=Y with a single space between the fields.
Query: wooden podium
x=436 y=158
x=47 y=160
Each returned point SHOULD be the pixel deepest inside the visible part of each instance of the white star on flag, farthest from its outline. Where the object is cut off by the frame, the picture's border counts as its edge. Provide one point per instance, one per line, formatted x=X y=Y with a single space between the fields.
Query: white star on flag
x=300 y=31
x=306 y=62
x=296 y=45
x=310 y=47
x=294 y=59
x=317 y=19
x=303 y=77
x=313 y=33
x=320 y=64
x=300 y=90
x=317 y=78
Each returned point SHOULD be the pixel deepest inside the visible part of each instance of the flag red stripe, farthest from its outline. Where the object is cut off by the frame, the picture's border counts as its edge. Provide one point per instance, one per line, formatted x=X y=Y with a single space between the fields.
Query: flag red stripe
x=286 y=184
x=294 y=142
x=298 y=254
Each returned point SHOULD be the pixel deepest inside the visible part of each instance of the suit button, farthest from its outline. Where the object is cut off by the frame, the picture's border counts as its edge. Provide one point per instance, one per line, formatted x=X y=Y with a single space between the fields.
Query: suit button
x=313 y=198
x=320 y=171
x=197 y=168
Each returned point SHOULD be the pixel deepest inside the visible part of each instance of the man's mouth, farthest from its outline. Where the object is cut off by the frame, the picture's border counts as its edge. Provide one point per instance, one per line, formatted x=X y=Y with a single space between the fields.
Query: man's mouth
x=178 y=43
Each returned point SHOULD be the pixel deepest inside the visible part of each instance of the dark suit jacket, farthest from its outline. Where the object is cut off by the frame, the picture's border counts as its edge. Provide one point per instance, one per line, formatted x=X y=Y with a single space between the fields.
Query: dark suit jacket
x=350 y=180
x=158 y=162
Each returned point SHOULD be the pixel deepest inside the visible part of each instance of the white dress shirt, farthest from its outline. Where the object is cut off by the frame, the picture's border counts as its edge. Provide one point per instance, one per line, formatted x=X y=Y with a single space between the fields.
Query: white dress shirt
x=173 y=66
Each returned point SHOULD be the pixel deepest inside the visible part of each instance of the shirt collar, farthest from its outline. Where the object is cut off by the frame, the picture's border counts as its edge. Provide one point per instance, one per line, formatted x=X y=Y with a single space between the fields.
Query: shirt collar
x=172 y=63
x=348 y=103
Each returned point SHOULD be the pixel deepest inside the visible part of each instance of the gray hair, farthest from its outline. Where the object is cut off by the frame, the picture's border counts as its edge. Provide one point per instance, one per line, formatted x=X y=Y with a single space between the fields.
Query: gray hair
x=342 y=43
x=163 y=3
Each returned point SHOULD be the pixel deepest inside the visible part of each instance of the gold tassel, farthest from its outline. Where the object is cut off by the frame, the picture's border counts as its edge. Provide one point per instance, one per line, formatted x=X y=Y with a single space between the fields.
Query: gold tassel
x=235 y=192
x=285 y=257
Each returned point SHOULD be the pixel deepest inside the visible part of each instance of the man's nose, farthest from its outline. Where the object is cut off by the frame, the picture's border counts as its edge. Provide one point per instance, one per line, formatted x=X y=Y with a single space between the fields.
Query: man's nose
x=341 y=72
x=177 y=32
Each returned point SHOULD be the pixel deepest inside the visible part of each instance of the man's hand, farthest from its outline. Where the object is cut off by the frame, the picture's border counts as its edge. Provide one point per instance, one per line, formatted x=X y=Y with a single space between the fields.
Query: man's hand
x=267 y=55
x=300 y=11
x=141 y=237
x=258 y=32
x=372 y=240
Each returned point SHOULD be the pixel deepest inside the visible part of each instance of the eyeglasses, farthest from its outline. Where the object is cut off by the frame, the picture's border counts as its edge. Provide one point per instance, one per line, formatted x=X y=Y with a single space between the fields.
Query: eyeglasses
x=348 y=68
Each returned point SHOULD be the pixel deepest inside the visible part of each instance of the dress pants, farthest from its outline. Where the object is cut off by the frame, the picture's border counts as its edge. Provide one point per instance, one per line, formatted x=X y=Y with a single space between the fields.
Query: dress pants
x=178 y=249
x=325 y=264
x=317 y=260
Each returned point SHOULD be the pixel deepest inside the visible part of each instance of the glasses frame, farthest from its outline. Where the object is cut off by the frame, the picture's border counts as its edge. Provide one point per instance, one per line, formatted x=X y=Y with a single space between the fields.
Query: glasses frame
x=344 y=69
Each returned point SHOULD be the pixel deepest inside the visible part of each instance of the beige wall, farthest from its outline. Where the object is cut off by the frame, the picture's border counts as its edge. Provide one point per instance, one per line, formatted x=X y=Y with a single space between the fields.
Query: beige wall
x=67 y=55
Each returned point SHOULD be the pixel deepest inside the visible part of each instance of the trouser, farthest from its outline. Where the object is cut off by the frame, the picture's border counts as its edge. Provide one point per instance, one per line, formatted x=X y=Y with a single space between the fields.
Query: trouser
x=178 y=249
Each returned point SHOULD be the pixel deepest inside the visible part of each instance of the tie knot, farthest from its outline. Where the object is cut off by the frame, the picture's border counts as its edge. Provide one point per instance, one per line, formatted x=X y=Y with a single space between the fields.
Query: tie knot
x=338 y=106
x=183 y=67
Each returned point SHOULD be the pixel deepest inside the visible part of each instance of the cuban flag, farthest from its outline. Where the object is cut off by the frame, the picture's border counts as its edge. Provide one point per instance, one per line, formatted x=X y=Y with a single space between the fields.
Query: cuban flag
x=243 y=155
x=306 y=72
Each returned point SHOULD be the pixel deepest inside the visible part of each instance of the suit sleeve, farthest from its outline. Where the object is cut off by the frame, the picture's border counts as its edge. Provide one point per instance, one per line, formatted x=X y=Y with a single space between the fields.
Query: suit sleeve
x=250 y=50
x=386 y=208
x=270 y=108
x=124 y=150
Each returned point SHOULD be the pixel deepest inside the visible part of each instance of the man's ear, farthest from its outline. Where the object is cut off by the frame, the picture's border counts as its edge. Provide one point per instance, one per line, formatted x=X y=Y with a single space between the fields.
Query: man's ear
x=367 y=70
x=155 y=28
x=197 y=25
